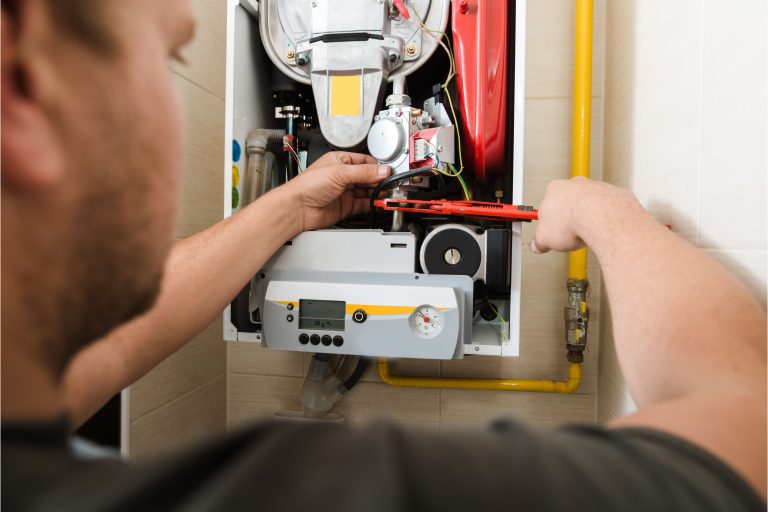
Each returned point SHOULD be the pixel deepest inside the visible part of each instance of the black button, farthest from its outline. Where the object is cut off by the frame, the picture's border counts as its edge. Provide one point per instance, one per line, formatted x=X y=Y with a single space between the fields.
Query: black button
x=290 y=306
x=315 y=339
x=303 y=339
x=338 y=341
x=326 y=340
x=359 y=316
x=289 y=318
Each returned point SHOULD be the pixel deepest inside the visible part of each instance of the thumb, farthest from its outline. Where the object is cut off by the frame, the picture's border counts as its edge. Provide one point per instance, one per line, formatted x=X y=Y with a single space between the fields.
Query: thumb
x=366 y=174
x=538 y=246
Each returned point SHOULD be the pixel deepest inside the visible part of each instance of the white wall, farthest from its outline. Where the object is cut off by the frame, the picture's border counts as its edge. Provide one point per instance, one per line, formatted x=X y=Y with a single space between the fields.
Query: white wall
x=685 y=129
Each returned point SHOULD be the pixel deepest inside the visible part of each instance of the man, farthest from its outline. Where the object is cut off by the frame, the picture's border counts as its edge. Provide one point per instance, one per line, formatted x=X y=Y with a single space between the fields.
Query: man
x=88 y=208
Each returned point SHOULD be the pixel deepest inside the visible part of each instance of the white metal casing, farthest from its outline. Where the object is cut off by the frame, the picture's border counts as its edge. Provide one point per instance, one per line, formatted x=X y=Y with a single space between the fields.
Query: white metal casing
x=247 y=107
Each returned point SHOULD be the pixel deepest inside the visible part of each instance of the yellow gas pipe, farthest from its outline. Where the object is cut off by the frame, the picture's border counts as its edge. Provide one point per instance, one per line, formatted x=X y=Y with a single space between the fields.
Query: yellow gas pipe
x=577 y=260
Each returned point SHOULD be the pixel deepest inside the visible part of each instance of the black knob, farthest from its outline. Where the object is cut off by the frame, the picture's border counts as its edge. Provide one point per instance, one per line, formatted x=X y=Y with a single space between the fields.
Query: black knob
x=359 y=316
x=338 y=341
x=289 y=318
x=326 y=340
x=290 y=306
x=314 y=339
x=303 y=339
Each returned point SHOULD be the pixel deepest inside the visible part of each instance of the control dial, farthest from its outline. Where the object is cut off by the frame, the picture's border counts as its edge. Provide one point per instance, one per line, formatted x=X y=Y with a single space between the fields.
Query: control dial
x=426 y=321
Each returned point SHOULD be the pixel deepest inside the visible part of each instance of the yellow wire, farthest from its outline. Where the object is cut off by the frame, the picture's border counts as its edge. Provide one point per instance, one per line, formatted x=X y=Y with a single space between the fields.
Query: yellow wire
x=451 y=74
x=498 y=315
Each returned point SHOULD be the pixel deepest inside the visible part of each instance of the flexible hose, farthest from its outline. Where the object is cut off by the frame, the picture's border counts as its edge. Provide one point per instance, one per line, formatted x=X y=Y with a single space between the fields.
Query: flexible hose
x=391 y=181
x=357 y=373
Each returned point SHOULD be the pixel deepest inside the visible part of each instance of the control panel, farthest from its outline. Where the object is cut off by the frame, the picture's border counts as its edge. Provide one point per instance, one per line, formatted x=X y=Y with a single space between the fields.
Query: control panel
x=386 y=315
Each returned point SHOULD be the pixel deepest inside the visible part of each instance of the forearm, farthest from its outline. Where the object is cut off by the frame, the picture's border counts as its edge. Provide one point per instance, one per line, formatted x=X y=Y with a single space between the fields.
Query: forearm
x=681 y=321
x=203 y=274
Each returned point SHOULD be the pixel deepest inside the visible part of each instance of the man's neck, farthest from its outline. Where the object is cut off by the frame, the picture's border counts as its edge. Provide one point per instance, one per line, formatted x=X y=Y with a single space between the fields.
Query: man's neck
x=29 y=392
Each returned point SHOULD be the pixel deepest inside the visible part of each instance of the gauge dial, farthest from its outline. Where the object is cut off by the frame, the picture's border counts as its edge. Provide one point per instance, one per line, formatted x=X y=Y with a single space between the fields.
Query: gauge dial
x=426 y=321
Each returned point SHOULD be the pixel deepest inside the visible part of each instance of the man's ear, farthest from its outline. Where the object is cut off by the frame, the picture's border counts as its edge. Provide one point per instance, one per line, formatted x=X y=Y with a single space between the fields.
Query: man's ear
x=32 y=156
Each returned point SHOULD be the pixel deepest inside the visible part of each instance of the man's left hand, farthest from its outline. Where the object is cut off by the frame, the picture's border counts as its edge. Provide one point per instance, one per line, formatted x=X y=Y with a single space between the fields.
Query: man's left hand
x=337 y=185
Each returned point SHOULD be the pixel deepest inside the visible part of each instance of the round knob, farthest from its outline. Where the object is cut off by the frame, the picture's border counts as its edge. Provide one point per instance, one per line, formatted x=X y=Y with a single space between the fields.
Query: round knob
x=359 y=316
x=386 y=140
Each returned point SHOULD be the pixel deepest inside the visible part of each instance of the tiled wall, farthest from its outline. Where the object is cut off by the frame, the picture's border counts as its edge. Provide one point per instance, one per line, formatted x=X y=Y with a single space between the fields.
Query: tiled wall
x=685 y=119
x=184 y=398
x=264 y=381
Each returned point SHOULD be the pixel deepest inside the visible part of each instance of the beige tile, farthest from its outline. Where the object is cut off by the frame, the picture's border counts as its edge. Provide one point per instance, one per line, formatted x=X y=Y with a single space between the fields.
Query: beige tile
x=372 y=401
x=198 y=362
x=194 y=416
x=548 y=144
x=257 y=397
x=206 y=55
x=460 y=408
x=549 y=57
x=202 y=186
x=253 y=359
x=734 y=124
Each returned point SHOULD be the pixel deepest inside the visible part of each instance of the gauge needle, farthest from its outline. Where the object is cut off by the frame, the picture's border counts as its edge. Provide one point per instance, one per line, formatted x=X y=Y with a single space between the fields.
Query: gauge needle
x=425 y=317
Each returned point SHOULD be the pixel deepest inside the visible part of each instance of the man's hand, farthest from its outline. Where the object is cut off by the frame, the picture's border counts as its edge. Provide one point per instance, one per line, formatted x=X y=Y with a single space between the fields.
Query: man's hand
x=336 y=186
x=569 y=204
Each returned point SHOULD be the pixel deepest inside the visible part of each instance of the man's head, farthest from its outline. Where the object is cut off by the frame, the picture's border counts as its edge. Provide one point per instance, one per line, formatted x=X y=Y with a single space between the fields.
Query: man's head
x=91 y=153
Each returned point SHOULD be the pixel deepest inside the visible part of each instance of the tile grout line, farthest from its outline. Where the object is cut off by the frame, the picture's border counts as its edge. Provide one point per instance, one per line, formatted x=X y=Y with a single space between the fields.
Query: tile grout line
x=183 y=395
x=701 y=125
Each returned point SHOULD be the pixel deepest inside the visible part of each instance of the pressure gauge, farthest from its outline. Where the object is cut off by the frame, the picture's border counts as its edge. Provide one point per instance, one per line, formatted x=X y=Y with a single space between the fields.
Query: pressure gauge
x=426 y=321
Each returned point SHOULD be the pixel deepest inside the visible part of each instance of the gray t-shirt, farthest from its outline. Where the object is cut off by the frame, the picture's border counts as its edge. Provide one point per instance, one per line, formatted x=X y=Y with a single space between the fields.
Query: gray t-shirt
x=382 y=467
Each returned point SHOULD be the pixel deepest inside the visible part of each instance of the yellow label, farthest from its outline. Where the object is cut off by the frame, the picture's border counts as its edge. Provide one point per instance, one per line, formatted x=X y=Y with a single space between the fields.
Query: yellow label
x=235 y=176
x=345 y=95
x=371 y=309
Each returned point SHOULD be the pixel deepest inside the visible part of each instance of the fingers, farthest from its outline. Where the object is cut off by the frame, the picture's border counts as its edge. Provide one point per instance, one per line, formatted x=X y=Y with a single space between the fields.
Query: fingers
x=366 y=174
x=343 y=158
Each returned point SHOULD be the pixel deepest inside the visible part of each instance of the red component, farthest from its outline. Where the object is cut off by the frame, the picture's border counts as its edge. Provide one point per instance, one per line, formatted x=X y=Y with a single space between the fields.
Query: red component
x=402 y=8
x=490 y=211
x=481 y=41
x=289 y=141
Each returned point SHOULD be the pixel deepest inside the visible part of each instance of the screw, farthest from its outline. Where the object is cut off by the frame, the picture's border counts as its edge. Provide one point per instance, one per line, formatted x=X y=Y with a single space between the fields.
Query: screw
x=291 y=55
x=477 y=349
x=411 y=49
x=302 y=61
x=439 y=149
x=392 y=57
x=416 y=179
x=463 y=7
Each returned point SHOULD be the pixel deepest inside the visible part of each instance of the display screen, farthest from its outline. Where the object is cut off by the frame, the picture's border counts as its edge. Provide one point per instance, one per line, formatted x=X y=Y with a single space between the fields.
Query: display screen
x=322 y=315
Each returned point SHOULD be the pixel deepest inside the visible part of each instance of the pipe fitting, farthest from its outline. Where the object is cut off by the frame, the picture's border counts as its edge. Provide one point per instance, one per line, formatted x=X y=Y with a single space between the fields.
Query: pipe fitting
x=576 y=319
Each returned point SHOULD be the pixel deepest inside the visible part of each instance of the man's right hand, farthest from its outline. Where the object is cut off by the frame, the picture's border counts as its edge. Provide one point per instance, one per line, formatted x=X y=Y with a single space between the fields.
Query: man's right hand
x=571 y=207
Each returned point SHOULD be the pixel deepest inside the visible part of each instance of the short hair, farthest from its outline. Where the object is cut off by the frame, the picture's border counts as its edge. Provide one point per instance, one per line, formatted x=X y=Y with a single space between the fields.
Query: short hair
x=83 y=19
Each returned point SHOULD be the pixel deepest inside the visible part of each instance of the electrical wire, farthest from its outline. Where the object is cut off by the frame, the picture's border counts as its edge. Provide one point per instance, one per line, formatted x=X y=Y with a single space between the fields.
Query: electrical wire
x=391 y=181
x=295 y=156
x=498 y=315
x=451 y=74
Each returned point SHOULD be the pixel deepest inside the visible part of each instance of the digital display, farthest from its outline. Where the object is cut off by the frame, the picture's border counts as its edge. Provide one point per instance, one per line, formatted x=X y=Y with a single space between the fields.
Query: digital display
x=322 y=315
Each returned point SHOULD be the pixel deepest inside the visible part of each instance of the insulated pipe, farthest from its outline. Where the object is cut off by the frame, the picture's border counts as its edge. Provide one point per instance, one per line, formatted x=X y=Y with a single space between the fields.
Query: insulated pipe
x=582 y=117
x=542 y=386
x=577 y=312
x=577 y=261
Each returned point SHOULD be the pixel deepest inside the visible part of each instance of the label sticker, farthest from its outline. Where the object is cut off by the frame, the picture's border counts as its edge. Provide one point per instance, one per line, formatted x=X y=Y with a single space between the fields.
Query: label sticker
x=235 y=197
x=235 y=176
x=345 y=95
x=236 y=151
